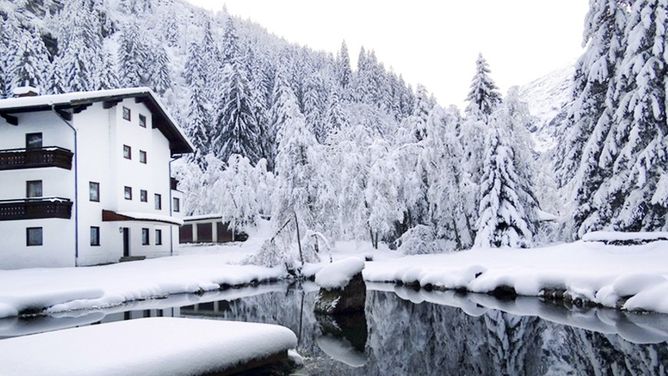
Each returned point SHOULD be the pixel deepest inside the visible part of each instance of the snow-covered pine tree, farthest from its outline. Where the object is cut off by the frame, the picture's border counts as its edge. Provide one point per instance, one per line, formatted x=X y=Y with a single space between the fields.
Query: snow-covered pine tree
x=507 y=212
x=641 y=117
x=159 y=73
x=483 y=97
x=335 y=119
x=237 y=128
x=31 y=62
x=132 y=56
x=423 y=106
x=314 y=105
x=107 y=76
x=79 y=57
x=343 y=71
x=590 y=115
x=279 y=114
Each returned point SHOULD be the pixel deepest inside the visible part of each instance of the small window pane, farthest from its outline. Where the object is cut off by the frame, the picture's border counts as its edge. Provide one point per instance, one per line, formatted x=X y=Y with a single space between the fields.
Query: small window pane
x=34 y=236
x=94 y=194
x=127 y=152
x=143 y=195
x=94 y=236
x=34 y=188
x=177 y=205
x=126 y=114
x=142 y=156
x=33 y=140
x=158 y=202
x=144 y=236
x=142 y=121
x=128 y=193
x=158 y=237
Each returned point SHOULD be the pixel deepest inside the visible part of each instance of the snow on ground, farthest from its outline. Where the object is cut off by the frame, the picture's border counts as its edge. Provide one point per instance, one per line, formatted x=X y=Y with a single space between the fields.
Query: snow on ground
x=65 y=289
x=589 y=270
x=339 y=273
x=152 y=346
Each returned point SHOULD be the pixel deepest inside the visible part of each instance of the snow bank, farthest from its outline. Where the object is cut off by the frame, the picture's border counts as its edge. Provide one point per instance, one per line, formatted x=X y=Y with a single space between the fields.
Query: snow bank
x=339 y=273
x=152 y=346
x=110 y=285
x=635 y=277
x=615 y=236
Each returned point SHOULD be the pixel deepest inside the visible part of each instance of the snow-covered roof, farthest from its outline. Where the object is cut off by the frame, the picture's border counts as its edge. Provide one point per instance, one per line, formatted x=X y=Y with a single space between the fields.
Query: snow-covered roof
x=178 y=141
x=202 y=217
x=111 y=216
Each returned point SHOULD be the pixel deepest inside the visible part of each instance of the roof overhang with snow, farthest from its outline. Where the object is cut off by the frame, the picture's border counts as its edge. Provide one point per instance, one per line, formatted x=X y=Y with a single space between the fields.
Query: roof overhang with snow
x=112 y=216
x=66 y=104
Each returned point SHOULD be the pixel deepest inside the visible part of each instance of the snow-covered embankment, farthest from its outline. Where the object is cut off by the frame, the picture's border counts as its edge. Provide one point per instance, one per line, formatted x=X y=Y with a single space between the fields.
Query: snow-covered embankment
x=628 y=277
x=64 y=289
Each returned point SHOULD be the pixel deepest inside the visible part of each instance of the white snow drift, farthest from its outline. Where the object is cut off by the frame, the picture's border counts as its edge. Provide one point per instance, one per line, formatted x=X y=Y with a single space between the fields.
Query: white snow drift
x=153 y=346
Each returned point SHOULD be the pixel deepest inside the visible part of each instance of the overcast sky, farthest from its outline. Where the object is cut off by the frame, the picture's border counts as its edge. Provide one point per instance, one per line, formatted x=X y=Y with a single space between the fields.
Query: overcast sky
x=432 y=42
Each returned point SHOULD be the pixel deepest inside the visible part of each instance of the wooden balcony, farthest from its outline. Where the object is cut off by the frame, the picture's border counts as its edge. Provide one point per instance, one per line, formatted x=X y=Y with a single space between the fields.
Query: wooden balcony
x=15 y=159
x=35 y=208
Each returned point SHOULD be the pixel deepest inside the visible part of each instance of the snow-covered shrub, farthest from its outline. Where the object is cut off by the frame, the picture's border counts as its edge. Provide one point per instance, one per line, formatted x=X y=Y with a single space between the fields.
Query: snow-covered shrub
x=418 y=240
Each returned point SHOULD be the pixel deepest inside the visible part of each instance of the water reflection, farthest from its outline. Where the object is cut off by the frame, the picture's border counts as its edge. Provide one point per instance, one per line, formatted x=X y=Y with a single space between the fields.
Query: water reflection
x=412 y=332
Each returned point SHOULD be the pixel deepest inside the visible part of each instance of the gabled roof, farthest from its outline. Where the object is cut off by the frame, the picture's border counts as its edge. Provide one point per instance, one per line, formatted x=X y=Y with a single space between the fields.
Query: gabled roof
x=77 y=102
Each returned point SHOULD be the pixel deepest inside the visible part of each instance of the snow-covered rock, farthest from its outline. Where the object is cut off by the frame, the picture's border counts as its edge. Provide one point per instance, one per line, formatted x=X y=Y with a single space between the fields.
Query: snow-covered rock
x=337 y=274
x=152 y=346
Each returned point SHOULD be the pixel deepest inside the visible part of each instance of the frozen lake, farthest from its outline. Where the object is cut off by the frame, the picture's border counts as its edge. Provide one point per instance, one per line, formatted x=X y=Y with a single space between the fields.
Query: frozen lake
x=410 y=332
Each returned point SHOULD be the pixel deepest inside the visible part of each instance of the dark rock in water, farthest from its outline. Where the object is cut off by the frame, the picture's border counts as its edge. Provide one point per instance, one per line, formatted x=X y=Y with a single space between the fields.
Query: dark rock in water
x=349 y=299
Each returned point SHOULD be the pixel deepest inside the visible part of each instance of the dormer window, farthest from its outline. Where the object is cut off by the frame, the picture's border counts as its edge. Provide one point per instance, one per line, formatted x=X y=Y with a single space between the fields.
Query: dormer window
x=142 y=121
x=127 y=114
x=33 y=141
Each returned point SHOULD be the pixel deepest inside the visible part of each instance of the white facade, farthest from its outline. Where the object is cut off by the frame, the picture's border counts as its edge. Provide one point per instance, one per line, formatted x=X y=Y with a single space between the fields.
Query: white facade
x=101 y=135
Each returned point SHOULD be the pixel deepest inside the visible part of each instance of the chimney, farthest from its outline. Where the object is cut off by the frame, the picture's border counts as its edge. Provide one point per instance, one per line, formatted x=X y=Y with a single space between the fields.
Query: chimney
x=25 y=91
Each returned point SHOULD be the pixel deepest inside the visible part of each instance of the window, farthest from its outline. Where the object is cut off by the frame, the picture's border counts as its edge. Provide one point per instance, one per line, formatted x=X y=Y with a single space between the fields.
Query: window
x=158 y=202
x=142 y=156
x=128 y=193
x=34 y=188
x=126 y=114
x=33 y=140
x=127 y=152
x=94 y=192
x=143 y=195
x=142 y=121
x=176 y=205
x=34 y=236
x=158 y=237
x=144 y=236
x=95 y=236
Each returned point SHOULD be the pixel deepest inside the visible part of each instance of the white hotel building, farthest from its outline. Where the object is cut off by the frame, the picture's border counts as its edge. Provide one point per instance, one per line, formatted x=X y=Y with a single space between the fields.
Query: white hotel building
x=85 y=178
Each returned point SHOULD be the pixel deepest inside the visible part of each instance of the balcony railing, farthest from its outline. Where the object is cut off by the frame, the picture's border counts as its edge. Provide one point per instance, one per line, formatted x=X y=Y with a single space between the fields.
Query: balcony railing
x=35 y=208
x=53 y=156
